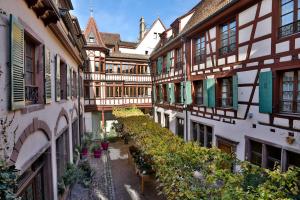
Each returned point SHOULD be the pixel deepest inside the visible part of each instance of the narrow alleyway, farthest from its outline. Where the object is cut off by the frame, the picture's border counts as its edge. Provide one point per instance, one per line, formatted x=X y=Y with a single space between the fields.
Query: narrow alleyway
x=115 y=179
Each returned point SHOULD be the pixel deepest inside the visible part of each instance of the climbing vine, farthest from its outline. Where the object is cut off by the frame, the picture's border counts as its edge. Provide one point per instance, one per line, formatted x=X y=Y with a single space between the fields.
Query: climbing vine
x=188 y=171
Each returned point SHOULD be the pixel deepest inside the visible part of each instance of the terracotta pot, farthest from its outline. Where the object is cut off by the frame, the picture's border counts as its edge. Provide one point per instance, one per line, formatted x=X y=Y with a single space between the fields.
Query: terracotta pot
x=85 y=151
x=105 y=146
x=97 y=153
x=290 y=140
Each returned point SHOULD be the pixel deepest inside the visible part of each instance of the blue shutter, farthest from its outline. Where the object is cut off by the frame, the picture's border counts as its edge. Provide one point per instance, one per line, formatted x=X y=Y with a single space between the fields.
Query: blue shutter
x=169 y=62
x=265 y=92
x=188 y=91
x=235 y=92
x=172 y=93
x=211 y=92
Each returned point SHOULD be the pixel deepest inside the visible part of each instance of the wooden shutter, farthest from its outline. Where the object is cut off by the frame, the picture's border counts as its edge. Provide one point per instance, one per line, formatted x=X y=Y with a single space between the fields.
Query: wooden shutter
x=68 y=82
x=71 y=82
x=154 y=93
x=168 y=92
x=17 y=64
x=47 y=75
x=159 y=65
x=172 y=93
x=57 y=79
x=205 y=95
x=169 y=63
x=211 y=92
x=235 y=92
x=265 y=92
x=188 y=92
x=182 y=92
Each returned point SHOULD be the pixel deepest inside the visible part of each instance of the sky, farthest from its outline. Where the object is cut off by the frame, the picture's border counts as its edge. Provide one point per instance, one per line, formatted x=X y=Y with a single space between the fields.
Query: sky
x=123 y=16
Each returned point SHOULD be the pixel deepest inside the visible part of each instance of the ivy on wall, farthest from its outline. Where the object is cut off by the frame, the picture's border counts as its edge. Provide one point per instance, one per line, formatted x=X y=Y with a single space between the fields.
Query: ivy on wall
x=188 y=171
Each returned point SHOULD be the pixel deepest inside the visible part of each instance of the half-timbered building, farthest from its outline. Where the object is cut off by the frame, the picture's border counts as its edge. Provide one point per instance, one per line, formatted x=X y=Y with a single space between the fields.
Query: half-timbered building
x=226 y=74
x=41 y=73
x=118 y=72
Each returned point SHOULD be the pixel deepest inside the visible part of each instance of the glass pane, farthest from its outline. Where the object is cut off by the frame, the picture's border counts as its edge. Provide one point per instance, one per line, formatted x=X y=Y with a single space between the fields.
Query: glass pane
x=232 y=25
x=224 y=28
x=274 y=157
x=195 y=134
x=293 y=159
x=287 y=19
x=209 y=140
x=201 y=142
x=287 y=8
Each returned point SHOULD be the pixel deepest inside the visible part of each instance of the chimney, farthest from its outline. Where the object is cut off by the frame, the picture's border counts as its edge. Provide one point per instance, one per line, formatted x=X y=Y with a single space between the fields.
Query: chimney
x=142 y=28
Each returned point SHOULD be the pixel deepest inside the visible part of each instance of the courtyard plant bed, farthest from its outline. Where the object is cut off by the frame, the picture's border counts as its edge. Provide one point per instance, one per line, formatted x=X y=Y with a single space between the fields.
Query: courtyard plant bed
x=184 y=170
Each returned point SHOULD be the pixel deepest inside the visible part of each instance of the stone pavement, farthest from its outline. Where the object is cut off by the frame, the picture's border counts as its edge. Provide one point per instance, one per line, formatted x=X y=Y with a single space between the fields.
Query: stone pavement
x=114 y=179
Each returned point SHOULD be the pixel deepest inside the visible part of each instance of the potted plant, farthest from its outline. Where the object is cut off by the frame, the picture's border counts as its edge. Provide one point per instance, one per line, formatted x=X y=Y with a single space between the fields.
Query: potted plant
x=85 y=143
x=96 y=149
x=104 y=142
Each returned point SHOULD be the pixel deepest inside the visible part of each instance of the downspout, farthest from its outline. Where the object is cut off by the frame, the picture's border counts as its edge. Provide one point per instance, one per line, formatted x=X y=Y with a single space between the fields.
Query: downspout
x=79 y=104
x=152 y=85
x=183 y=40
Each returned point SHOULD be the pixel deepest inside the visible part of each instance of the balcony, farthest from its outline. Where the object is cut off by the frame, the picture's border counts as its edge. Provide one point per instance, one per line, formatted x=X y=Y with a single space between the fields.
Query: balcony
x=109 y=103
x=289 y=29
x=92 y=76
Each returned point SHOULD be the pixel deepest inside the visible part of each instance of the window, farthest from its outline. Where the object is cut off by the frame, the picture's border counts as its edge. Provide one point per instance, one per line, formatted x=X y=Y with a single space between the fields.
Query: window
x=289 y=17
x=180 y=127
x=178 y=59
x=164 y=66
x=109 y=68
x=228 y=37
x=202 y=134
x=226 y=145
x=31 y=89
x=109 y=91
x=62 y=153
x=198 y=86
x=167 y=121
x=97 y=66
x=91 y=38
x=178 y=93
x=165 y=93
x=200 y=50
x=225 y=96
x=118 y=91
x=75 y=135
x=98 y=94
x=290 y=92
x=159 y=118
x=155 y=35
x=269 y=156
x=86 y=92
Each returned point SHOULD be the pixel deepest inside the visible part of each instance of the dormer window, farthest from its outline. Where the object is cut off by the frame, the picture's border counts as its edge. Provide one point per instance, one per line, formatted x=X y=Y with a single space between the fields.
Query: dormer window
x=91 y=38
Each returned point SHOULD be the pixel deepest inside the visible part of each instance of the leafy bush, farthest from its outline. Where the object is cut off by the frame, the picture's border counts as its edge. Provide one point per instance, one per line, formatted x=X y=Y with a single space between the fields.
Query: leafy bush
x=188 y=171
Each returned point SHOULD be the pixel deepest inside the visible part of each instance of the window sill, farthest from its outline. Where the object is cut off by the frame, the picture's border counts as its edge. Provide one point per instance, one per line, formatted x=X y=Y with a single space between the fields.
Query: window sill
x=32 y=108
x=293 y=115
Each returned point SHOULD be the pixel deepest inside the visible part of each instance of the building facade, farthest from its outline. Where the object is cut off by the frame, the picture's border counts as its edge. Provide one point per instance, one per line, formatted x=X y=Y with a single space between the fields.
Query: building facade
x=41 y=73
x=226 y=74
x=118 y=73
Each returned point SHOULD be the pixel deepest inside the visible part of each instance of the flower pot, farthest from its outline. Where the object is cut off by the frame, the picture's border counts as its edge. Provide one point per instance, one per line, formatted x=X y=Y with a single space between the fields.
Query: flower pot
x=105 y=146
x=290 y=140
x=84 y=151
x=97 y=153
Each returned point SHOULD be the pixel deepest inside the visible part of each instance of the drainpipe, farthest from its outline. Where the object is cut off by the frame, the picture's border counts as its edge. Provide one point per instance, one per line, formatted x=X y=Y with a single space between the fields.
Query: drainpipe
x=183 y=40
x=79 y=103
x=152 y=85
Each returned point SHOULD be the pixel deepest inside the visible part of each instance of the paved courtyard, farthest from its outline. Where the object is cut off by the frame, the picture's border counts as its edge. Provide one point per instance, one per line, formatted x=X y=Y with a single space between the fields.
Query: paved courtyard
x=115 y=179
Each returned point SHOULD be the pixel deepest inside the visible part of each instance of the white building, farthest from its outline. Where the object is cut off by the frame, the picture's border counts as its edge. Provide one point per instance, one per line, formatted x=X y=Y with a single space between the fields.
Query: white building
x=226 y=74
x=41 y=73
x=118 y=72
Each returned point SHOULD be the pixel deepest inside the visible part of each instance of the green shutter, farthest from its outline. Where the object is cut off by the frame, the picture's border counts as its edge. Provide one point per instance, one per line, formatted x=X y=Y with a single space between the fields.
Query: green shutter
x=17 y=64
x=235 y=92
x=182 y=92
x=47 y=75
x=57 y=79
x=188 y=92
x=172 y=93
x=168 y=92
x=169 y=62
x=265 y=92
x=211 y=92
x=205 y=95
x=159 y=65
x=154 y=94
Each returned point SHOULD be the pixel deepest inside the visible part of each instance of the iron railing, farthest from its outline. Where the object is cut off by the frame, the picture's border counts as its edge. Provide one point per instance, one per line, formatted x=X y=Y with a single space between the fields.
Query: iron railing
x=227 y=49
x=289 y=29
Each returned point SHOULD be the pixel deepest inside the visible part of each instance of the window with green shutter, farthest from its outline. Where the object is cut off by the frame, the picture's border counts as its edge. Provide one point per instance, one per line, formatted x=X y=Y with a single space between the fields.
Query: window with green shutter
x=265 y=92
x=205 y=95
x=182 y=93
x=188 y=92
x=17 y=64
x=160 y=93
x=211 y=92
x=159 y=65
x=57 y=79
x=154 y=94
x=47 y=74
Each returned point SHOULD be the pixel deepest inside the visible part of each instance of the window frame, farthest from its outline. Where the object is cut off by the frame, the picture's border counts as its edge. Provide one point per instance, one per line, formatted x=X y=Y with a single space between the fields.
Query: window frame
x=229 y=51
x=179 y=126
x=220 y=92
x=205 y=135
x=196 y=86
x=199 y=55
x=294 y=25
